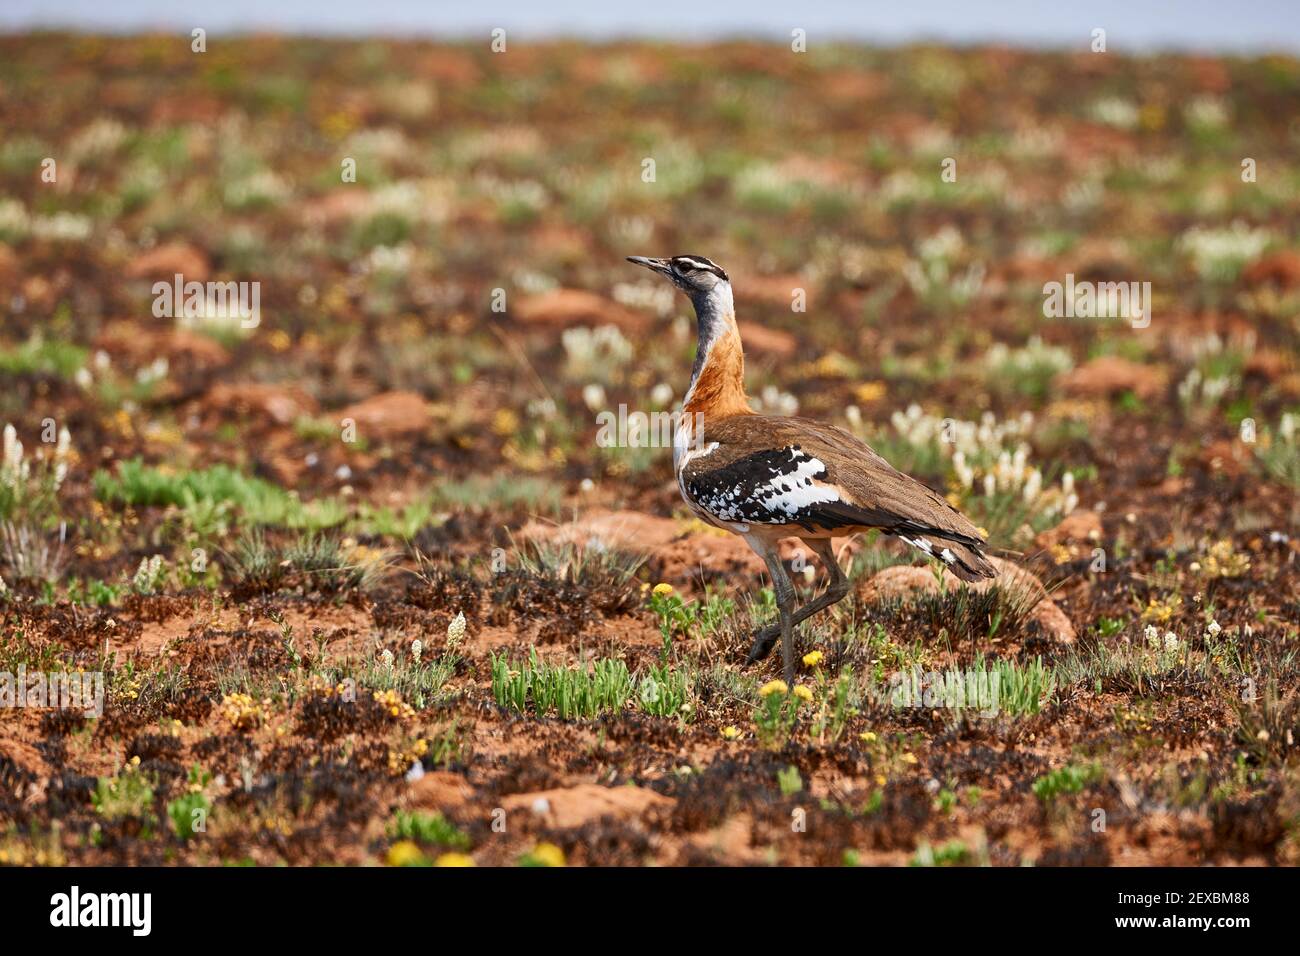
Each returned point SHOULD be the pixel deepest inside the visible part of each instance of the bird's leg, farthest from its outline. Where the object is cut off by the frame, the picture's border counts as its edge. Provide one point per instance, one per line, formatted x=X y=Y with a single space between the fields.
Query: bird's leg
x=785 y=605
x=765 y=638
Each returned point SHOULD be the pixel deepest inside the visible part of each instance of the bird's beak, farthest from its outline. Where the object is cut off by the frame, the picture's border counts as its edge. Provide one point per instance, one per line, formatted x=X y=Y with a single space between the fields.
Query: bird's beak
x=655 y=265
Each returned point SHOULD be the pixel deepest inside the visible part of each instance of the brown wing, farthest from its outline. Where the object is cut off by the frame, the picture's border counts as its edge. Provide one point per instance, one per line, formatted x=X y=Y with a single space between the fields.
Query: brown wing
x=819 y=478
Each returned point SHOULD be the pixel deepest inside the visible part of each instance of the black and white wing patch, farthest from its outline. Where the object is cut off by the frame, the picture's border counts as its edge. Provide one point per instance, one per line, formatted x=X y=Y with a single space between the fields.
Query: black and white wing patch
x=776 y=486
x=789 y=486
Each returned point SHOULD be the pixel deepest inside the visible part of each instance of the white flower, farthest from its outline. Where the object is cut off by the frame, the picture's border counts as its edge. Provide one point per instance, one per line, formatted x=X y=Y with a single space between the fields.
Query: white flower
x=1033 y=486
x=13 y=449
x=417 y=648
x=593 y=396
x=387 y=657
x=965 y=473
x=1171 y=641
x=456 y=629
x=1152 y=635
x=1213 y=628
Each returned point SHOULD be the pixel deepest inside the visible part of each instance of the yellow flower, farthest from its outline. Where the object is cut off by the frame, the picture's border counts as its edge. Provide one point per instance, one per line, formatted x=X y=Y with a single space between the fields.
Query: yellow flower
x=773 y=687
x=242 y=711
x=404 y=853
x=663 y=589
x=548 y=854
x=868 y=736
x=870 y=391
x=812 y=659
x=730 y=733
x=505 y=422
x=803 y=693
x=454 y=859
x=392 y=702
x=1161 y=612
x=909 y=758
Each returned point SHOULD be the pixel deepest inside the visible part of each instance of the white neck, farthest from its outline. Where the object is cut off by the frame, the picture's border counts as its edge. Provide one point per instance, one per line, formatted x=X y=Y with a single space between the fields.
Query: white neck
x=715 y=312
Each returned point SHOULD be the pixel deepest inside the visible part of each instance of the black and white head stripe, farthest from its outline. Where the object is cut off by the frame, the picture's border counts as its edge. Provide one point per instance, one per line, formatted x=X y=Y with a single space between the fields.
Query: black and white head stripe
x=687 y=264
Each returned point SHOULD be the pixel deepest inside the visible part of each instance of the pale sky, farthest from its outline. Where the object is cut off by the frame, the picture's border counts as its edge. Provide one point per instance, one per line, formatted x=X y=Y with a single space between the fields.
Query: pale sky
x=1131 y=25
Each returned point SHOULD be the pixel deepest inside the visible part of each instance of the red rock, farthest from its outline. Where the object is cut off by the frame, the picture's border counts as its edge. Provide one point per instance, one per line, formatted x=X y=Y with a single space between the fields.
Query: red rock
x=8 y=266
x=901 y=581
x=681 y=548
x=389 y=415
x=165 y=261
x=1053 y=621
x=562 y=308
x=1227 y=456
x=185 y=107
x=776 y=291
x=760 y=338
x=273 y=403
x=343 y=204
x=450 y=66
x=854 y=86
x=1268 y=364
x=616 y=530
x=1281 y=267
x=1081 y=527
x=1032 y=268
x=586 y=803
x=140 y=346
x=439 y=790
x=1110 y=375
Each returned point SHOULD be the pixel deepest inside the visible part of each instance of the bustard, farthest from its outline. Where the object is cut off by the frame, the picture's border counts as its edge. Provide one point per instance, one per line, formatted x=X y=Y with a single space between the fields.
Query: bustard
x=767 y=477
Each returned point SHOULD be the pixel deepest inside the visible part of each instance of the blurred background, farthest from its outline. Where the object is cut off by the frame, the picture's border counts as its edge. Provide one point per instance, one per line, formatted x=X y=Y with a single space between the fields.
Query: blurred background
x=438 y=228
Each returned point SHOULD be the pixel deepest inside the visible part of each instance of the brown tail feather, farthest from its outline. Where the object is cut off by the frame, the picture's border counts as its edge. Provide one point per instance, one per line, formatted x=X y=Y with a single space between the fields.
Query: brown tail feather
x=962 y=558
x=970 y=565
